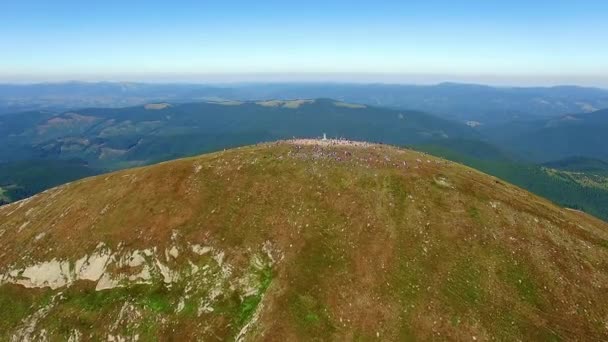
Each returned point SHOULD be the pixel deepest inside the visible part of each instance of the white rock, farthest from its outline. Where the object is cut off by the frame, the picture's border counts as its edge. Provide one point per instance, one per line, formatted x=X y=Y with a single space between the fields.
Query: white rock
x=25 y=224
x=200 y=250
x=168 y=275
x=137 y=259
x=106 y=282
x=174 y=252
x=53 y=274
x=95 y=266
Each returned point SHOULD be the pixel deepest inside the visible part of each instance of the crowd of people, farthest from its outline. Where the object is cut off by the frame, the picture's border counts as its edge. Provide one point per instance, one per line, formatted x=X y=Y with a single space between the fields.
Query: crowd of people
x=319 y=151
x=330 y=142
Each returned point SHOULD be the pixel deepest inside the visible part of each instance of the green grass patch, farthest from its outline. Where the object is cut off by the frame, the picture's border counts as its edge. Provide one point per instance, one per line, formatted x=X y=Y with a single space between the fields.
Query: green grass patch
x=507 y=325
x=310 y=315
x=4 y=197
x=395 y=186
x=93 y=301
x=464 y=288
x=190 y=308
x=250 y=304
x=157 y=302
x=474 y=213
x=518 y=276
x=247 y=309
x=455 y=320
x=365 y=182
x=409 y=277
x=17 y=303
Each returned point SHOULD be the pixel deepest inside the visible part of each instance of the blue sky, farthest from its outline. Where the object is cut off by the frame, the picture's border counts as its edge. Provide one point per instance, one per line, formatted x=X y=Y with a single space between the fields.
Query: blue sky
x=534 y=41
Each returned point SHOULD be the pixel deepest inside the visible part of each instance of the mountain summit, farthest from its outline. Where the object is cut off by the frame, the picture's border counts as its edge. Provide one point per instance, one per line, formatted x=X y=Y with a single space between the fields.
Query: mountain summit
x=300 y=240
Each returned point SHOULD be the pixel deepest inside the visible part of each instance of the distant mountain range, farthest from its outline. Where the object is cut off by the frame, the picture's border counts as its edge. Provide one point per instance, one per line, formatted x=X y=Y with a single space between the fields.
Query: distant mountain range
x=477 y=104
x=112 y=138
x=555 y=138
x=579 y=164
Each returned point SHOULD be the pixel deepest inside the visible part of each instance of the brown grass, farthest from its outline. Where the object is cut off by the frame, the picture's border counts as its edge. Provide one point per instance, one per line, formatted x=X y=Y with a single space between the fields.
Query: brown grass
x=373 y=247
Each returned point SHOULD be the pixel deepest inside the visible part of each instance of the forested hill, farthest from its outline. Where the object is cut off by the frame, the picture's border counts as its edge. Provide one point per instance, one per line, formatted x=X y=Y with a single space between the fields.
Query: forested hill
x=562 y=137
x=113 y=138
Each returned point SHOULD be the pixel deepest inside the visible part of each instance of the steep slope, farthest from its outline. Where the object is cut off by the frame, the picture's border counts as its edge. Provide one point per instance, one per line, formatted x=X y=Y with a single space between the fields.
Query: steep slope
x=300 y=240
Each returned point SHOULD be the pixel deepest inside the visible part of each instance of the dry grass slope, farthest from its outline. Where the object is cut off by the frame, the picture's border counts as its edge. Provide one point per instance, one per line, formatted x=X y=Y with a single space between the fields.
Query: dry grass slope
x=301 y=241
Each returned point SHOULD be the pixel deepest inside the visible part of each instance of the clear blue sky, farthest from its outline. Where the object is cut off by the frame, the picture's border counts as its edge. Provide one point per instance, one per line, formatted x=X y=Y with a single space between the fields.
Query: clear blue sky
x=560 y=40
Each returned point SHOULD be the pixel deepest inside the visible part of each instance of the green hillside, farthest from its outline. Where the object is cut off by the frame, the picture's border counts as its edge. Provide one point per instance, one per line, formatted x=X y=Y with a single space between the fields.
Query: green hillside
x=582 y=190
x=300 y=240
x=22 y=179
x=113 y=138
x=580 y=135
x=579 y=164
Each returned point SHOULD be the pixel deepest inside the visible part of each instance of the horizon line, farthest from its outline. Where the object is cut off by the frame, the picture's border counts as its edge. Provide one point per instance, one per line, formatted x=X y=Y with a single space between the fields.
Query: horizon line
x=602 y=86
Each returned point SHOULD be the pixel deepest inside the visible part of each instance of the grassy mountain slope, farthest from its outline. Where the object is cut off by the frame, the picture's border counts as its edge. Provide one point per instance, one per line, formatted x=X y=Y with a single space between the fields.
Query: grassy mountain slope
x=583 y=190
x=300 y=241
